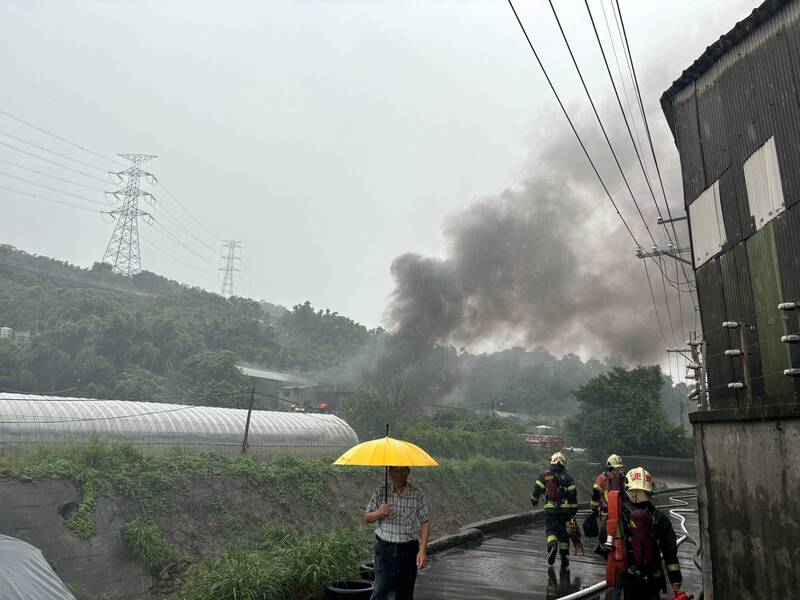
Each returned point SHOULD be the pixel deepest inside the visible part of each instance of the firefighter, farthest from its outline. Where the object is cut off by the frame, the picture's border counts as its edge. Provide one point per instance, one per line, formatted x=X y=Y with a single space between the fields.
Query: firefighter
x=649 y=538
x=560 y=495
x=613 y=478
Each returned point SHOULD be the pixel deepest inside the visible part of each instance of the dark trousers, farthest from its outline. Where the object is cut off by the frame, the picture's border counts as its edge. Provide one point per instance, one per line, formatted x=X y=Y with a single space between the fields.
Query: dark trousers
x=555 y=525
x=395 y=569
x=602 y=535
x=631 y=587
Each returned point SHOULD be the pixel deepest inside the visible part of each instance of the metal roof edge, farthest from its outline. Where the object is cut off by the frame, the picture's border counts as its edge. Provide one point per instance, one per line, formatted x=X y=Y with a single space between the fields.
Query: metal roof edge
x=725 y=43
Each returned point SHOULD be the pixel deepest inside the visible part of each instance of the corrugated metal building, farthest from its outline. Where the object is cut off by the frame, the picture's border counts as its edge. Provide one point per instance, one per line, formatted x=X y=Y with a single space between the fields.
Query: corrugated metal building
x=735 y=117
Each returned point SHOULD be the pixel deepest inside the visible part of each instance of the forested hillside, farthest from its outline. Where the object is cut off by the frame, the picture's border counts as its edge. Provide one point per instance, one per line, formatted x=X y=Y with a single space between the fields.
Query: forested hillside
x=95 y=334
x=146 y=338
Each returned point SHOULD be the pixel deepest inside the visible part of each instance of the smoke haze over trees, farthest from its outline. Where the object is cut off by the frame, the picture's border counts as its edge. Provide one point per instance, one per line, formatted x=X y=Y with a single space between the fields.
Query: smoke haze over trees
x=547 y=263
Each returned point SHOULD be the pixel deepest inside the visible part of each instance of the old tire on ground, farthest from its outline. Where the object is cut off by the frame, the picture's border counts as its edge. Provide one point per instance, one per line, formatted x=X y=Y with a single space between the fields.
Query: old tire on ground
x=367 y=570
x=354 y=589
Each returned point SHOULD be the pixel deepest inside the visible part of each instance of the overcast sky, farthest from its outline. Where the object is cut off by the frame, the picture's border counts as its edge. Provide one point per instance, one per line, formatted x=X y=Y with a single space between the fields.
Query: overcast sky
x=330 y=137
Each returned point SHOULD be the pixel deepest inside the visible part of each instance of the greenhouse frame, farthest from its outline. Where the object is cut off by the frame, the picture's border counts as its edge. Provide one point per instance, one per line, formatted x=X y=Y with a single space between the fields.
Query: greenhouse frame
x=27 y=421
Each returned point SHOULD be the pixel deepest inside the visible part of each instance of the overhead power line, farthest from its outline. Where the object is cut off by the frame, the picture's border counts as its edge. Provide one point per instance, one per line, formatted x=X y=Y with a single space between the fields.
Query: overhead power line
x=47 y=199
x=646 y=124
x=624 y=116
x=58 y=137
x=178 y=223
x=52 y=189
x=572 y=125
x=621 y=77
x=655 y=306
x=52 y=162
x=600 y=122
x=637 y=88
x=51 y=176
x=583 y=146
x=188 y=213
x=172 y=256
x=169 y=235
x=53 y=152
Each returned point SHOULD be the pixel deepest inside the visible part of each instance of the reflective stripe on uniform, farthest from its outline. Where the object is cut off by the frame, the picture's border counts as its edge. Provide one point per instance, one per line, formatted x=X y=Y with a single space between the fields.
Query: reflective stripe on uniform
x=551 y=538
x=674 y=567
x=568 y=505
x=571 y=487
x=540 y=484
x=597 y=487
x=563 y=545
x=548 y=505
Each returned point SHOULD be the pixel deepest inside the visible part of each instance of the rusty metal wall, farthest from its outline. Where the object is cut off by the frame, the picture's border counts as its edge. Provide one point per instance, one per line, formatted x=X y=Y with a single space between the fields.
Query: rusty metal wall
x=720 y=120
x=787 y=238
x=687 y=138
x=762 y=256
x=749 y=96
x=713 y=313
x=740 y=307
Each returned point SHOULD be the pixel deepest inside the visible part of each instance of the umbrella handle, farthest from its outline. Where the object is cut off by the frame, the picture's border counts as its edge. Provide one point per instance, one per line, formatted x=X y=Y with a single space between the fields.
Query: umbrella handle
x=386 y=475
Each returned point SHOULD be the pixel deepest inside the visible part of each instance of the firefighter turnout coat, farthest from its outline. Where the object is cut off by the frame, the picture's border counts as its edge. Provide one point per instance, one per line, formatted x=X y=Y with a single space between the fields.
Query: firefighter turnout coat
x=665 y=539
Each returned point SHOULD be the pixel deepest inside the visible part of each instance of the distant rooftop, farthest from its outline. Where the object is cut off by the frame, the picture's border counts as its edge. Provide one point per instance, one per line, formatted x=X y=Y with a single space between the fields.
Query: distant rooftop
x=274 y=375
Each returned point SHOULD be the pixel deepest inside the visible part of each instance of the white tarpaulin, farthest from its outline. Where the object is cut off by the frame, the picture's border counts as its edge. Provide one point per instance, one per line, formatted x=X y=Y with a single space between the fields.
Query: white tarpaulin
x=25 y=574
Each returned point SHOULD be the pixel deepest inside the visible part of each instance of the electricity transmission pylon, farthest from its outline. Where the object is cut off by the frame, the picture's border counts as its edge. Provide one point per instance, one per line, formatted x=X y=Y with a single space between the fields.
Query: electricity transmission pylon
x=122 y=252
x=229 y=258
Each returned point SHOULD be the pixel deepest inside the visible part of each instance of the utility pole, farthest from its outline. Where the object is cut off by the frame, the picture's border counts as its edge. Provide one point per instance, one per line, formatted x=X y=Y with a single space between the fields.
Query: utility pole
x=698 y=366
x=700 y=372
x=229 y=258
x=247 y=423
x=671 y=252
x=122 y=252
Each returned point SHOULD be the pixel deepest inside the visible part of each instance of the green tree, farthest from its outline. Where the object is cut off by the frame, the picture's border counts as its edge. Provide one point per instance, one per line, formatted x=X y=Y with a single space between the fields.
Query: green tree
x=620 y=411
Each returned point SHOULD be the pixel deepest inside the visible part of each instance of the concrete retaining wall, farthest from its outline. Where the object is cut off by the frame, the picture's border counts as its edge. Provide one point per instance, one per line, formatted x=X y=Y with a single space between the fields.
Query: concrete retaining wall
x=665 y=468
x=749 y=477
x=100 y=567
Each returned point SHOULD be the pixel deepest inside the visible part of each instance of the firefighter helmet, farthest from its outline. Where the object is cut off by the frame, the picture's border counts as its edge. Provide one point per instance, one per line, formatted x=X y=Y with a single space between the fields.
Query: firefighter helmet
x=615 y=461
x=558 y=458
x=639 y=479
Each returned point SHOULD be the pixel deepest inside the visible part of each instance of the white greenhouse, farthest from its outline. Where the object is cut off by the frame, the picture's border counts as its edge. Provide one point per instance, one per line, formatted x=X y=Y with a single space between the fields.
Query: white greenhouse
x=29 y=420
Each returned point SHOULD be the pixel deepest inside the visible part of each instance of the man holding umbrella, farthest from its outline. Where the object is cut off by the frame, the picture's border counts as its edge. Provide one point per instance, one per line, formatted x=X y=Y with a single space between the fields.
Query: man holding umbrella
x=401 y=535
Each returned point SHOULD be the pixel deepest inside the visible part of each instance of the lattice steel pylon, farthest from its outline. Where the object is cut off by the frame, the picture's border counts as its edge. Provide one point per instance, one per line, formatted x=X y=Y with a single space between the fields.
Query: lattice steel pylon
x=122 y=252
x=229 y=258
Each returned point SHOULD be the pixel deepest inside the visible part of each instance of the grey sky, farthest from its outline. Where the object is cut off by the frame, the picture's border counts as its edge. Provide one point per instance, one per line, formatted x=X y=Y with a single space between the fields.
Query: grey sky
x=330 y=137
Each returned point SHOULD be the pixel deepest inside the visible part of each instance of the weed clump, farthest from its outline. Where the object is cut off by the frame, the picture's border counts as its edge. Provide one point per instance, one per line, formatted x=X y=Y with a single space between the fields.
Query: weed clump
x=144 y=540
x=275 y=565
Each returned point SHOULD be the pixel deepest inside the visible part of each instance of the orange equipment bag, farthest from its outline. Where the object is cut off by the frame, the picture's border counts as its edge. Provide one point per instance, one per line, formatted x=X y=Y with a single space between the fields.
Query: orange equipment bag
x=617 y=561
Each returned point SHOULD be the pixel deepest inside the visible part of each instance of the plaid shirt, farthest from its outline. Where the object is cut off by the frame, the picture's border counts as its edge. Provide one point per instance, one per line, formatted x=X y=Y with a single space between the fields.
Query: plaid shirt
x=408 y=512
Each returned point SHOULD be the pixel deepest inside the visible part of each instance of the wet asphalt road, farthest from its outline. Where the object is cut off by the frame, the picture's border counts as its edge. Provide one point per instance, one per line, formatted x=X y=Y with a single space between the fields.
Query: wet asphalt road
x=513 y=566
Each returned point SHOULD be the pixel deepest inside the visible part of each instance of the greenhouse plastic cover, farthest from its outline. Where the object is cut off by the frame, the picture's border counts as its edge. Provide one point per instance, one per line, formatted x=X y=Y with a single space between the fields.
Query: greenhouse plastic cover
x=25 y=574
x=33 y=419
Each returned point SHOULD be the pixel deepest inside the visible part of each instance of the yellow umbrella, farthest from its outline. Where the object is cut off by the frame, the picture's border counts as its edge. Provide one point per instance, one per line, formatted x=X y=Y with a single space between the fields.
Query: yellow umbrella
x=386 y=452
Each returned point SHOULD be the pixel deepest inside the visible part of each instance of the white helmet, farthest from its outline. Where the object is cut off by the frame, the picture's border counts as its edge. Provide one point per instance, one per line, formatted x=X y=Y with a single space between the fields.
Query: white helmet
x=558 y=459
x=639 y=479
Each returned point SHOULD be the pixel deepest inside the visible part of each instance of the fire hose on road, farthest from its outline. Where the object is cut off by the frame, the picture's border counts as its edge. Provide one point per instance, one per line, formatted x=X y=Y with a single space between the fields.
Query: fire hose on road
x=677 y=508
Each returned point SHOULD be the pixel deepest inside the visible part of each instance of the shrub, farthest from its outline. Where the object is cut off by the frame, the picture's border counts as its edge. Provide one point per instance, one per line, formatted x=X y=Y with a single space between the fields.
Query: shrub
x=144 y=541
x=279 y=566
